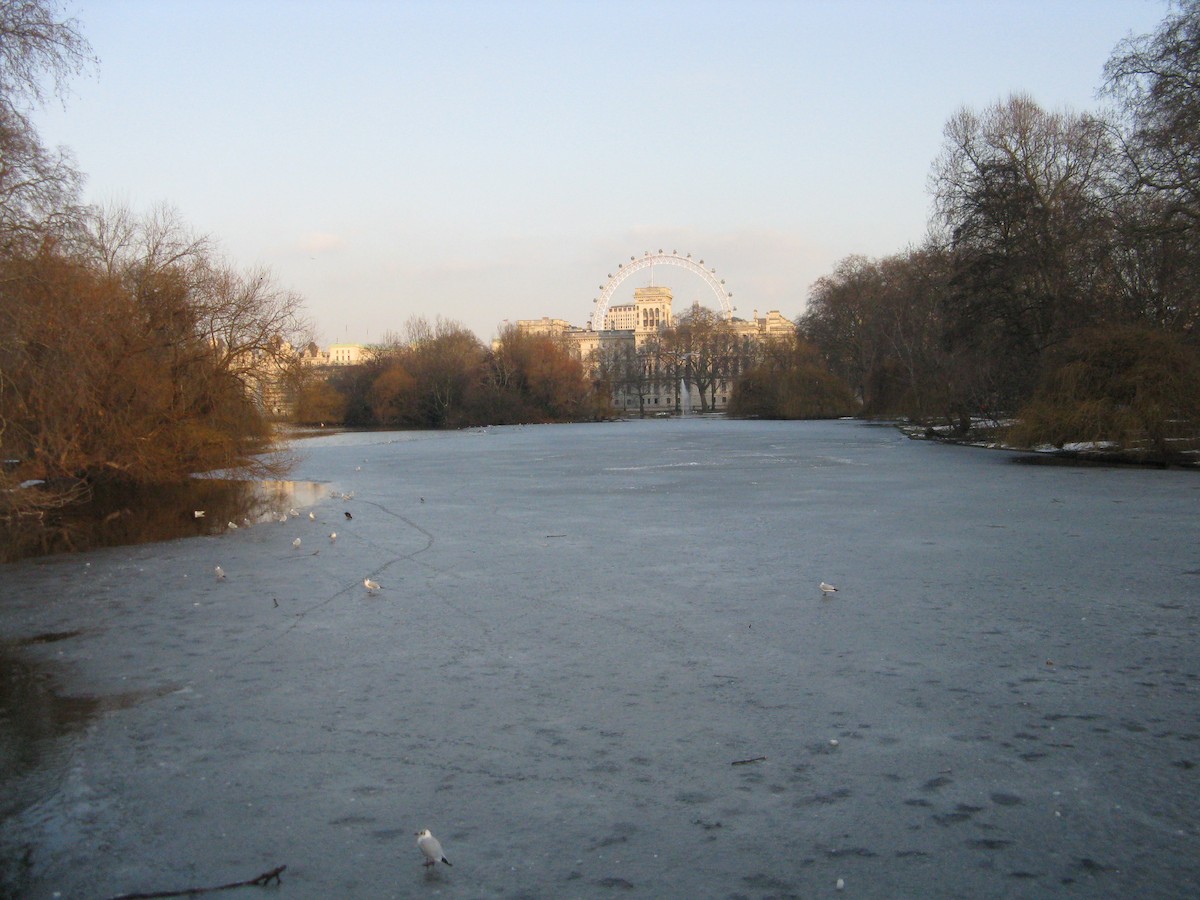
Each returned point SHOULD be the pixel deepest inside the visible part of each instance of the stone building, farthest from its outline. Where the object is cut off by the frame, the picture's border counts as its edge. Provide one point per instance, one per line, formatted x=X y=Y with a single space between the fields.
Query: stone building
x=649 y=375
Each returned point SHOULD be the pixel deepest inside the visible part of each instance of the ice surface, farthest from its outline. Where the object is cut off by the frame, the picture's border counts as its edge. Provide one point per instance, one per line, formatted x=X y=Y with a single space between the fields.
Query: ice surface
x=583 y=628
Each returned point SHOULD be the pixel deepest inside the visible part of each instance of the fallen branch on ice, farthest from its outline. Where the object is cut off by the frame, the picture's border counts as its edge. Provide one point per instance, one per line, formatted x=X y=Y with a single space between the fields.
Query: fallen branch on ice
x=743 y=762
x=264 y=879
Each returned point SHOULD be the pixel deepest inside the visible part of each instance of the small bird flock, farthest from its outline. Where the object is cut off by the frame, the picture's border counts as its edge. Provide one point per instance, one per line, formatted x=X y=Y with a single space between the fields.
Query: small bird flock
x=282 y=517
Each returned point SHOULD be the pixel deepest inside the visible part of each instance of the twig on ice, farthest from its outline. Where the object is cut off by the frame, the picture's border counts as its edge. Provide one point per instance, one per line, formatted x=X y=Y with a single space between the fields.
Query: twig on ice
x=264 y=879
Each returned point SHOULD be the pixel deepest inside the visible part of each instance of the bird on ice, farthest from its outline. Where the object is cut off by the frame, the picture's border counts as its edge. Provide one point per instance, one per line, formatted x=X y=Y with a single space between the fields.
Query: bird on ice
x=332 y=536
x=231 y=525
x=294 y=513
x=827 y=588
x=312 y=517
x=296 y=543
x=371 y=586
x=432 y=848
x=348 y=516
x=220 y=573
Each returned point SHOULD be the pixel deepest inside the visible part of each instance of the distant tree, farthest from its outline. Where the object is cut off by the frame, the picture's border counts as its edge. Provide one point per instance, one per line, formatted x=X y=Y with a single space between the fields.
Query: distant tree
x=538 y=378
x=701 y=349
x=446 y=360
x=842 y=320
x=393 y=396
x=317 y=401
x=791 y=382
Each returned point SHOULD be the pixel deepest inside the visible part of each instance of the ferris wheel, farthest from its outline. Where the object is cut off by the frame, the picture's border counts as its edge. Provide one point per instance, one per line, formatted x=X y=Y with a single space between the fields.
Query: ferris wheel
x=661 y=258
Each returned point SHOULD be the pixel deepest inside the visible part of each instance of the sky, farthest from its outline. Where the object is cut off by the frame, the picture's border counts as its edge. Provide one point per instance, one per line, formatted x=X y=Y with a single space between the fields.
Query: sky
x=486 y=162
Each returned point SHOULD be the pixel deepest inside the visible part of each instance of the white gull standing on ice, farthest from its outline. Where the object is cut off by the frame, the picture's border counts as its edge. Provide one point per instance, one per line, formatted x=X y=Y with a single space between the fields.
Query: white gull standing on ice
x=432 y=848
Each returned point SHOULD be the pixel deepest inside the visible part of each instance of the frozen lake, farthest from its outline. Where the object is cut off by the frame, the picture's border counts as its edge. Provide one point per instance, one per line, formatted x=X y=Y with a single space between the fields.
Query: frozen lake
x=580 y=630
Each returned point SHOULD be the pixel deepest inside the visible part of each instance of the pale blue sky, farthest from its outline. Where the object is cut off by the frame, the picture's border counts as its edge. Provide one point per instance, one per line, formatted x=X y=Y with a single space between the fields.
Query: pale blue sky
x=486 y=161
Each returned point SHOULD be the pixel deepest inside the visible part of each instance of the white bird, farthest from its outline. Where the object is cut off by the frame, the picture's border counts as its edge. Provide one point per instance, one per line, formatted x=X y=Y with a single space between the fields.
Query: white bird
x=432 y=848
x=312 y=517
x=220 y=573
x=232 y=526
x=332 y=536
x=827 y=588
x=296 y=543
x=294 y=513
x=198 y=514
x=371 y=586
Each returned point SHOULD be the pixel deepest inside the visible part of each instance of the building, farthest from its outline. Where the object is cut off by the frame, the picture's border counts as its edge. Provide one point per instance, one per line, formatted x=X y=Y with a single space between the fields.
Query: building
x=648 y=377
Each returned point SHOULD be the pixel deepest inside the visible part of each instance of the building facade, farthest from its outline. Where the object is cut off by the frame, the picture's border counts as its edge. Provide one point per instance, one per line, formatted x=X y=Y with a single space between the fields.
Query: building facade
x=653 y=368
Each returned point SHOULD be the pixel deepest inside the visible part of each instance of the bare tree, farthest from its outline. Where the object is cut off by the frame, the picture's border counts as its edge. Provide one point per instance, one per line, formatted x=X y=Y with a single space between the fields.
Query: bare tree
x=1156 y=80
x=37 y=44
x=1021 y=194
x=38 y=187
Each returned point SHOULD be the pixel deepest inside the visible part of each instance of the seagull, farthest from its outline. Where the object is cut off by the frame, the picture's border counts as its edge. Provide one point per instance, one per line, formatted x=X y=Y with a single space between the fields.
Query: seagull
x=827 y=588
x=432 y=848
x=220 y=573
x=371 y=586
x=312 y=517
x=232 y=526
x=332 y=536
x=294 y=513
x=296 y=543
x=348 y=516
x=198 y=514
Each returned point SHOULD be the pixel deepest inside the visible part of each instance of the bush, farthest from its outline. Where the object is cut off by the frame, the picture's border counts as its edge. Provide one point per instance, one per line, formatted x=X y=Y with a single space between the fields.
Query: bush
x=1134 y=389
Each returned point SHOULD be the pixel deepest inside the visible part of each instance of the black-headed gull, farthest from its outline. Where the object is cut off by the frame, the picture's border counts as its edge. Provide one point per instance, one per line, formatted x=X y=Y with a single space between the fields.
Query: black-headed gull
x=432 y=848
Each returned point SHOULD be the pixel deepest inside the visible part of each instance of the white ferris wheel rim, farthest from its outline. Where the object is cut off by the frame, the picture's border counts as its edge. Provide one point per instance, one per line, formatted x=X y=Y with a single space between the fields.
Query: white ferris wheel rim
x=645 y=261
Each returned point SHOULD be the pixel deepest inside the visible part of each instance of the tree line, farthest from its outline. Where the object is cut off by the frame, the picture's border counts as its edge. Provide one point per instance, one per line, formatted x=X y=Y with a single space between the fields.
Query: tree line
x=1060 y=279
x=440 y=375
